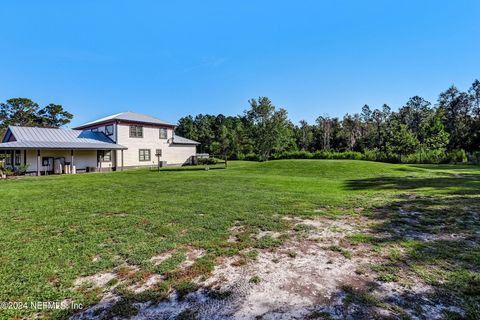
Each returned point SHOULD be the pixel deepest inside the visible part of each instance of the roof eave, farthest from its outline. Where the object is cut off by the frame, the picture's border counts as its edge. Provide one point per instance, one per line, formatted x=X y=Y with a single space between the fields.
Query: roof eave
x=116 y=147
x=94 y=124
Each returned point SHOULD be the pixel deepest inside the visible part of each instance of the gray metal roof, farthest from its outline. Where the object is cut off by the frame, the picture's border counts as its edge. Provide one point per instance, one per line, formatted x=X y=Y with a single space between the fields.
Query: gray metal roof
x=182 y=140
x=128 y=116
x=50 y=138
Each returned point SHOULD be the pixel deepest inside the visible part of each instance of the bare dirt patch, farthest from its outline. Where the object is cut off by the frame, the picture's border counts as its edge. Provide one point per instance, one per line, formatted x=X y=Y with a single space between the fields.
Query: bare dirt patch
x=158 y=259
x=325 y=268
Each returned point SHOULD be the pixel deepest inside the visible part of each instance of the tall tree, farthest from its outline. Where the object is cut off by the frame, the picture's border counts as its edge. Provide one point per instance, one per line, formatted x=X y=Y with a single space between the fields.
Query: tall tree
x=25 y=112
x=324 y=131
x=414 y=112
x=54 y=116
x=432 y=133
x=402 y=140
x=457 y=107
x=352 y=129
x=474 y=92
x=271 y=128
x=18 y=112
x=304 y=135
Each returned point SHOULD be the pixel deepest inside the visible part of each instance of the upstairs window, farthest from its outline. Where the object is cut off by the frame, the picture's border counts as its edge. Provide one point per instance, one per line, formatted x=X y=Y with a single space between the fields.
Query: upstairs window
x=163 y=133
x=144 y=155
x=136 y=132
x=109 y=130
x=95 y=130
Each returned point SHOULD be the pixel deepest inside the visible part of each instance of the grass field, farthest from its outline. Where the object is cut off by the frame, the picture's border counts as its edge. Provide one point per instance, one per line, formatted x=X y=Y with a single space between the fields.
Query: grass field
x=58 y=228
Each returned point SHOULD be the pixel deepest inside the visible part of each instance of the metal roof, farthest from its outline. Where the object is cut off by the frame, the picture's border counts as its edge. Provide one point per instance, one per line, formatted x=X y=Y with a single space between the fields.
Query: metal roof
x=182 y=140
x=128 y=116
x=52 y=138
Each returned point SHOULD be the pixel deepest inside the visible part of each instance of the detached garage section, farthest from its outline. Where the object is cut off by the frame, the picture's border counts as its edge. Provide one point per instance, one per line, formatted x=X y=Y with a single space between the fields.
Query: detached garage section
x=46 y=150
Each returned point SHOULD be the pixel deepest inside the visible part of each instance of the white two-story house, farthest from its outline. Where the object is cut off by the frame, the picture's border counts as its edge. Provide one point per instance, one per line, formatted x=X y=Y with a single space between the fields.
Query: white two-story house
x=124 y=140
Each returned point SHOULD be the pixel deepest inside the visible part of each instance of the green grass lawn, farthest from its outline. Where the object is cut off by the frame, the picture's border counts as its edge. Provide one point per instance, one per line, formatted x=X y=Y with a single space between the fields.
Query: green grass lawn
x=55 y=229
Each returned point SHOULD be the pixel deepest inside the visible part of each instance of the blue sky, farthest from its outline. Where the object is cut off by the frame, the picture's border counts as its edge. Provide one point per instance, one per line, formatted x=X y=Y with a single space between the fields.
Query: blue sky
x=173 y=58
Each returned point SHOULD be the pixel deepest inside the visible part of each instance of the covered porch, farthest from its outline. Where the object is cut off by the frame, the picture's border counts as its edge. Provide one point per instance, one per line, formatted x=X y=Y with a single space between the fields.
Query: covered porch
x=41 y=151
x=45 y=161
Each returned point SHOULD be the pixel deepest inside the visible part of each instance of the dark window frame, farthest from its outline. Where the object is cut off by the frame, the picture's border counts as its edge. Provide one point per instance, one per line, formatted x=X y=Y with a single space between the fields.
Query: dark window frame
x=109 y=129
x=8 y=159
x=94 y=130
x=164 y=130
x=136 y=131
x=142 y=155
x=18 y=157
x=106 y=155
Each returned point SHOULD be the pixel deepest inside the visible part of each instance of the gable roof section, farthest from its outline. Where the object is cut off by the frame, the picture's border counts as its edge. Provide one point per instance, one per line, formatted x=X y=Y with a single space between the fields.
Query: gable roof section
x=182 y=140
x=52 y=138
x=127 y=116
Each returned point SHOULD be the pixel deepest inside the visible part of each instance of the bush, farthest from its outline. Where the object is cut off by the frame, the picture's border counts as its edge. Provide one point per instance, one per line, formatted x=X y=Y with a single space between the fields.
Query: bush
x=421 y=156
x=207 y=161
x=292 y=155
x=351 y=155
x=23 y=168
x=457 y=156
x=474 y=157
x=251 y=157
x=425 y=156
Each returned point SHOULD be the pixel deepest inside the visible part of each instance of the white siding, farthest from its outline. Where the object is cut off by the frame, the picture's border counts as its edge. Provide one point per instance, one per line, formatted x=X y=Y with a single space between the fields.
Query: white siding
x=81 y=160
x=172 y=154
x=178 y=154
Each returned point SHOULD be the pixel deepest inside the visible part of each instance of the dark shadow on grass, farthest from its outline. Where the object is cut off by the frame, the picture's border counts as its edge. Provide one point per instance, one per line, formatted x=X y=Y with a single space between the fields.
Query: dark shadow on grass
x=454 y=183
x=435 y=227
x=188 y=168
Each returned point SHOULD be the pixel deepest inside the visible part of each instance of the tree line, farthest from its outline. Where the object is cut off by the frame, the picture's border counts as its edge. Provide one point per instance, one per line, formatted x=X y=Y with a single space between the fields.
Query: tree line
x=25 y=112
x=418 y=132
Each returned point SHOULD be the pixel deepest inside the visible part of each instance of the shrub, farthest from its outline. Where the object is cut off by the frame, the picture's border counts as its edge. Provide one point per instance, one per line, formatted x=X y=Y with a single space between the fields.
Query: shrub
x=474 y=157
x=23 y=168
x=425 y=156
x=8 y=172
x=251 y=157
x=205 y=161
x=292 y=155
x=420 y=156
x=352 y=155
x=457 y=156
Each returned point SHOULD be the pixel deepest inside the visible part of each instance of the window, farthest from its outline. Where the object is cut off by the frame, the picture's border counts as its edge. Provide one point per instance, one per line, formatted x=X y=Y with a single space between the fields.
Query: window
x=17 y=158
x=144 y=154
x=2 y=157
x=163 y=133
x=95 y=130
x=136 y=132
x=109 y=130
x=8 y=159
x=158 y=152
x=105 y=155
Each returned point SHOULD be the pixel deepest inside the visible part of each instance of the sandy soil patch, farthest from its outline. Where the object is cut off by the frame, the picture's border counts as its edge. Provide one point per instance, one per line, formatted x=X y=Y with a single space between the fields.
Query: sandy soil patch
x=316 y=273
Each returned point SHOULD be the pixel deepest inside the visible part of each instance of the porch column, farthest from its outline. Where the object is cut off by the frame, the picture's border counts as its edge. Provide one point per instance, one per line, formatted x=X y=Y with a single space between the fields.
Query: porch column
x=12 y=154
x=122 y=161
x=71 y=162
x=38 y=162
